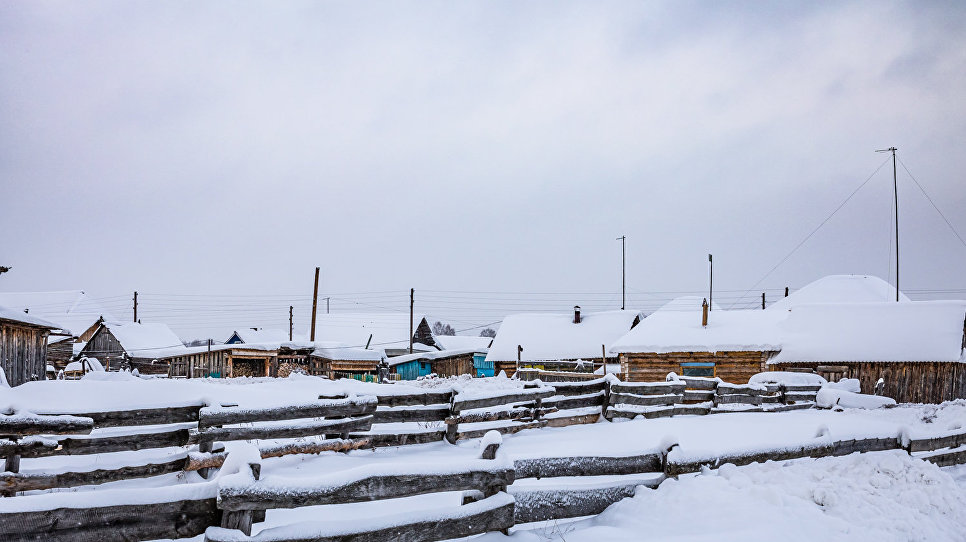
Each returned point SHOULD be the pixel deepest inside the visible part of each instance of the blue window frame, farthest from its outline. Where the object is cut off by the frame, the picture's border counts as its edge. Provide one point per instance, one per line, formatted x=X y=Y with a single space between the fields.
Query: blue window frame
x=697 y=369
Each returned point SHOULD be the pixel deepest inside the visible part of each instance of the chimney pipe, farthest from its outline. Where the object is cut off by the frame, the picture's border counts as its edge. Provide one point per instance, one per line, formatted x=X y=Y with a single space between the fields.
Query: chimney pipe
x=786 y=291
x=704 y=313
x=576 y=314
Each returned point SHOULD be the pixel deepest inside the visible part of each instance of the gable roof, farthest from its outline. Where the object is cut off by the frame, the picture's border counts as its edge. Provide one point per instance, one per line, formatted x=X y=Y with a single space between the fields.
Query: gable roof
x=546 y=337
x=249 y=336
x=70 y=310
x=841 y=289
x=680 y=330
x=143 y=340
x=461 y=342
x=20 y=317
x=883 y=331
x=338 y=351
x=388 y=329
x=431 y=356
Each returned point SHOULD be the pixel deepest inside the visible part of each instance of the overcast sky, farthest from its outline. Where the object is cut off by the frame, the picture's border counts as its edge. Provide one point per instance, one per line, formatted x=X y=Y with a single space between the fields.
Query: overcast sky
x=193 y=150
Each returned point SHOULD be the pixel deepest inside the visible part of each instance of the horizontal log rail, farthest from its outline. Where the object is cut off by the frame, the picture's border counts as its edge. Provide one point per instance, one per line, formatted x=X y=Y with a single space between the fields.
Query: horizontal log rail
x=510 y=398
x=16 y=482
x=214 y=416
x=323 y=427
x=143 y=416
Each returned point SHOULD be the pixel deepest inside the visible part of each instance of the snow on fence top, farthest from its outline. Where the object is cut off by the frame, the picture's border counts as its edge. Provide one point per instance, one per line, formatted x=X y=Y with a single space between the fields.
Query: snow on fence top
x=548 y=337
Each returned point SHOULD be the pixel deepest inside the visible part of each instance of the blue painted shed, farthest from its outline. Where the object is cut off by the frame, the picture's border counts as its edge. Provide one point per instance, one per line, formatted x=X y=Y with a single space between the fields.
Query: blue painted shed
x=481 y=367
x=411 y=367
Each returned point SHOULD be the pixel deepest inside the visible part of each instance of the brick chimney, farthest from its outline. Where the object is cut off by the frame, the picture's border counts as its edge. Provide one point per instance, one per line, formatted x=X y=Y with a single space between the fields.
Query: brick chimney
x=576 y=314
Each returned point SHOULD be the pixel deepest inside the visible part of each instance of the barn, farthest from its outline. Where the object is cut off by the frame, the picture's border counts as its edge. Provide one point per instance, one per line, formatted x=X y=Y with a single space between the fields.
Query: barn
x=23 y=346
x=558 y=341
x=132 y=345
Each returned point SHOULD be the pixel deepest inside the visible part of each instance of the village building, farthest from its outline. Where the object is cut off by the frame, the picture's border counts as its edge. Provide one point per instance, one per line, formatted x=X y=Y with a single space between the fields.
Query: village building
x=132 y=345
x=257 y=336
x=23 y=346
x=733 y=346
x=559 y=342
x=338 y=360
x=221 y=360
x=443 y=363
x=387 y=332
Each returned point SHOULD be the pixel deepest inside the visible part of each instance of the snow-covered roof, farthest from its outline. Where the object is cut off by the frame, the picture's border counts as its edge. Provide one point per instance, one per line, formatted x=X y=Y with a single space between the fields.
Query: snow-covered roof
x=680 y=330
x=430 y=356
x=340 y=351
x=70 y=310
x=7 y=313
x=388 y=329
x=883 y=331
x=687 y=303
x=841 y=289
x=248 y=335
x=556 y=337
x=459 y=342
x=144 y=340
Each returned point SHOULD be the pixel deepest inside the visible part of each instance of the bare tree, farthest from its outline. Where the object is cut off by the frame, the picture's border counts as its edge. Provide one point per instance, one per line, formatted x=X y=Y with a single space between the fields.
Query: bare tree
x=440 y=328
x=488 y=332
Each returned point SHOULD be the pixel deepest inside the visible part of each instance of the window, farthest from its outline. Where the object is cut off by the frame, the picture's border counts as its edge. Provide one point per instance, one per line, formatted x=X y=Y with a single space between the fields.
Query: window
x=697 y=369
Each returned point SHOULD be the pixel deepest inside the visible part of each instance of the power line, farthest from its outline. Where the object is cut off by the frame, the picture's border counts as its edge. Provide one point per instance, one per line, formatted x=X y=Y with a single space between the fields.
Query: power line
x=931 y=202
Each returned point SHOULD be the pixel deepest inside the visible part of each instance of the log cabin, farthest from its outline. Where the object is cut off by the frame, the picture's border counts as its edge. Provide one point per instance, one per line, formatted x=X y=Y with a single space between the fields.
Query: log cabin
x=731 y=345
x=132 y=345
x=337 y=360
x=568 y=342
x=23 y=346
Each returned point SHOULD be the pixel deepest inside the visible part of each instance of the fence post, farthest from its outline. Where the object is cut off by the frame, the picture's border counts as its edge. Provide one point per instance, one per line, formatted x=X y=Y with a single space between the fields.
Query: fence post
x=452 y=427
x=242 y=519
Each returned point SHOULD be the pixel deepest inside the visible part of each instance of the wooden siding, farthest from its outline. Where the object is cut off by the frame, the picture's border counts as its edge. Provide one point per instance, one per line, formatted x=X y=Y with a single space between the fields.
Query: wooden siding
x=906 y=382
x=23 y=352
x=509 y=367
x=735 y=367
x=60 y=353
x=454 y=366
x=106 y=348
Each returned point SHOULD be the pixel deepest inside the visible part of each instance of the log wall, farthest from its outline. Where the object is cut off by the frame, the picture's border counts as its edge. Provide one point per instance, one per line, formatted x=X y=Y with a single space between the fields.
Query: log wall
x=454 y=366
x=735 y=367
x=23 y=352
x=906 y=382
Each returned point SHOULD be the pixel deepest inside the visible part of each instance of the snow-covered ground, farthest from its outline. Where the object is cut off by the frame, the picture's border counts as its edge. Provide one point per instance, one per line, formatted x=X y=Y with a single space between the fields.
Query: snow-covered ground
x=880 y=496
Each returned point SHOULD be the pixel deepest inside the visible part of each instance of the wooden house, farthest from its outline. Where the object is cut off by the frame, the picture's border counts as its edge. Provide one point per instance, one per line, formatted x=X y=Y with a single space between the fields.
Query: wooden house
x=443 y=363
x=60 y=351
x=733 y=346
x=558 y=342
x=23 y=346
x=387 y=331
x=221 y=361
x=917 y=348
x=72 y=311
x=132 y=345
x=337 y=360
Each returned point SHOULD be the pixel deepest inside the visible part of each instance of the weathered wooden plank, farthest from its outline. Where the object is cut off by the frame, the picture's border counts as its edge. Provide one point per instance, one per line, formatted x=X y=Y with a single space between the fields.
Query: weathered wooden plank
x=699 y=383
x=322 y=427
x=144 y=416
x=510 y=398
x=258 y=496
x=948 y=459
x=580 y=388
x=45 y=425
x=846 y=447
x=675 y=467
x=648 y=388
x=543 y=505
x=725 y=388
x=459 y=524
x=513 y=414
x=180 y=519
x=691 y=410
x=644 y=400
x=425 y=399
x=115 y=443
x=549 y=467
x=698 y=395
x=411 y=415
x=935 y=443
x=566 y=421
x=209 y=417
x=207 y=460
x=503 y=430
x=799 y=396
x=612 y=412
x=383 y=440
x=810 y=389
x=578 y=401
x=737 y=398
x=29 y=482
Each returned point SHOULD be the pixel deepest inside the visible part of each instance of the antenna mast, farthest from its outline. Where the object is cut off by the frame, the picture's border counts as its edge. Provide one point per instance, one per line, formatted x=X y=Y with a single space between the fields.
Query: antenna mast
x=895 y=195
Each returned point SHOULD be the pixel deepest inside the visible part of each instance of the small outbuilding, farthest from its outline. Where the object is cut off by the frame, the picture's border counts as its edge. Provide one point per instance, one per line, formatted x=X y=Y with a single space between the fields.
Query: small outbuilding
x=443 y=363
x=132 y=345
x=23 y=346
x=337 y=360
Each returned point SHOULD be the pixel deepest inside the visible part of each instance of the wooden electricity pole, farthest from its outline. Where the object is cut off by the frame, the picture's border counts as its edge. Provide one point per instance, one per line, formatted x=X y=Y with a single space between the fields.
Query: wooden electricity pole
x=895 y=194
x=622 y=239
x=290 y=309
x=412 y=298
x=315 y=304
x=135 y=306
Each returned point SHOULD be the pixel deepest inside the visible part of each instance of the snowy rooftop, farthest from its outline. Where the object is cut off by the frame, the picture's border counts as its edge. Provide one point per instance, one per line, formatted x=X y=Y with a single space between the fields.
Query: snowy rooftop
x=841 y=289
x=340 y=351
x=459 y=342
x=7 y=313
x=70 y=310
x=429 y=356
x=144 y=340
x=388 y=329
x=248 y=335
x=883 y=331
x=556 y=336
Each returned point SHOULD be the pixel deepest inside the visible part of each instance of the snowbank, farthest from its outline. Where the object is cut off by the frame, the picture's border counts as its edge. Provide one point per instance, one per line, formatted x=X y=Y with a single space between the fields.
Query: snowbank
x=828 y=397
x=788 y=378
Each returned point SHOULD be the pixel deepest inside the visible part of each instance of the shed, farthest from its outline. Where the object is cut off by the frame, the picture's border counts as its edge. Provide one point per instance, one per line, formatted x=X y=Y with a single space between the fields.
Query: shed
x=221 y=360
x=733 y=346
x=23 y=346
x=338 y=360
x=558 y=341
x=132 y=345
x=443 y=363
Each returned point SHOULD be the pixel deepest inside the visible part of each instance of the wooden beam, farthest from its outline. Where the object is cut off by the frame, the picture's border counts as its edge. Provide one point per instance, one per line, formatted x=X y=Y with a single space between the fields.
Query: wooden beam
x=29 y=482
x=209 y=417
x=324 y=427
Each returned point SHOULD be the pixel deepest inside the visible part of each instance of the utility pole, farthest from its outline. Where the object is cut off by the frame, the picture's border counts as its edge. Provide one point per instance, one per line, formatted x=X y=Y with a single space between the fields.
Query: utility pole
x=327 y=305
x=315 y=302
x=622 y=238
x=895 y=195
x=135 y=306
x=290 y=309
x=710 y=280
x=763 y=301
x=412 y=299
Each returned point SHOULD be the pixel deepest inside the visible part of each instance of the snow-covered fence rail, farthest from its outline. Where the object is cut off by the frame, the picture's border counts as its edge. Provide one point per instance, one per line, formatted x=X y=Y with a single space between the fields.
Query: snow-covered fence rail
x=648 y=399
x=428 y=410
x=522 y=408
x=486 y=505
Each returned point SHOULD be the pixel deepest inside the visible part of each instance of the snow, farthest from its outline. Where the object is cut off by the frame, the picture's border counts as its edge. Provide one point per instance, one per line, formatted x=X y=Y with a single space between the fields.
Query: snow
x=547 y=337
x=20 y=316
x=788 y=378
x=248 y=335
x=681 y=331
x=340 y=351
x=491 y=437
x=840 y=289
x=144 y=340
x=848 y=384
x=828 y=397
x=69 y=310
x=463 y=342
x=428 y=356
x=388 y=329
x=911 y=331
